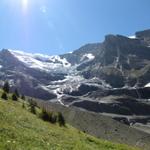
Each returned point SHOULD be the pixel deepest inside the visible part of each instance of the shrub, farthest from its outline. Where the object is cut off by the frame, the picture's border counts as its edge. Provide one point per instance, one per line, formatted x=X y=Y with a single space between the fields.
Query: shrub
x=50 y=117
x=31 y=102
x=6 y=87
x=61 y=120
x=44 y=115
x=4 y=96
x=54 y=118
x=23 y=105
x=16 y=92
x=23 y=97
x=32 y=106
x=32 y=109
x=14 y=97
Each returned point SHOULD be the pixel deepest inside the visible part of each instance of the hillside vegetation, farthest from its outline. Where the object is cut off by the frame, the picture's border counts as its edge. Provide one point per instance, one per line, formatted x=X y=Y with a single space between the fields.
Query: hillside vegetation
x=22 y=130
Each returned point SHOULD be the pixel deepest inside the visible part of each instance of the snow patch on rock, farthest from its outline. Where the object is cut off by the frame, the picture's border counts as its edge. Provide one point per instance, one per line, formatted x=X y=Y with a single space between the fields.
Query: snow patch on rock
x=147 y=85
x=88 y=57
x=132 y=37
x=1 y=66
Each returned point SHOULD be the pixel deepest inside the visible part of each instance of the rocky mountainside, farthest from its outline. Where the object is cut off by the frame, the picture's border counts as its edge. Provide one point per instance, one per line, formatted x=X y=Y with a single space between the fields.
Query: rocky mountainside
x=111 y=77
x=124 y=60
x=144 y=36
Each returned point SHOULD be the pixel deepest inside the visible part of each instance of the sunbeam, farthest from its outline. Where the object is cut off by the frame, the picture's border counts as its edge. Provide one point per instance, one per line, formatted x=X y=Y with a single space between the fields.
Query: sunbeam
x=24 y=5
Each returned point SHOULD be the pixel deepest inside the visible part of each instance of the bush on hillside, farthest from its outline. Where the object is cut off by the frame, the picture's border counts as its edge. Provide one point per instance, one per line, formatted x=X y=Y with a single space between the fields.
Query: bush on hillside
x=32 y=102
x=32 y=109
x=23 y=105
x=4 y=96
x=44 y=115
x=50 y=117
x=14 y=97
x=54 y=118
x=17 y=93
x=6 y=87
x=23 y=97
x=60 y=119
x=32 y=106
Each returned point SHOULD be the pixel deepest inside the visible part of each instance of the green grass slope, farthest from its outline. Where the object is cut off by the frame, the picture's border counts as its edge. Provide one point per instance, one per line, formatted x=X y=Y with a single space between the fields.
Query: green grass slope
x=21 y=130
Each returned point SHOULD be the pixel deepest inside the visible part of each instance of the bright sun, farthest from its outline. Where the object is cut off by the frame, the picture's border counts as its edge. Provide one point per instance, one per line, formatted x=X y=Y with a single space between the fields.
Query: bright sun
x=24 y=2
x=24 y=5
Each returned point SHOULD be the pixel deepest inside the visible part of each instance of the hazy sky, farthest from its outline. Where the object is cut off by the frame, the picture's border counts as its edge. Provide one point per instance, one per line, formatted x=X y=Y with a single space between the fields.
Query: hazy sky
x=60 y=26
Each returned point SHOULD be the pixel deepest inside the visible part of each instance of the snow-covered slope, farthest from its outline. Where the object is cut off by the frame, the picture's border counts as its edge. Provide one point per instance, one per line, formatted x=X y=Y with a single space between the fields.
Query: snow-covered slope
x=42 y=62
x=52 y=74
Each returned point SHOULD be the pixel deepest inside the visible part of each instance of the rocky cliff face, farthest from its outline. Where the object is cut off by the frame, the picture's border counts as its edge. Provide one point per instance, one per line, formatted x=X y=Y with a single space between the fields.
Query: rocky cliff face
x=124 y=60
x=144 y=36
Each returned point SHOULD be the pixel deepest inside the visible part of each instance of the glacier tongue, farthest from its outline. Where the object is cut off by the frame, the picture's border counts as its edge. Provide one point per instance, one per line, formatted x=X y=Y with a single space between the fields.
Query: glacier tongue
x=42 y=62
x=73 y=80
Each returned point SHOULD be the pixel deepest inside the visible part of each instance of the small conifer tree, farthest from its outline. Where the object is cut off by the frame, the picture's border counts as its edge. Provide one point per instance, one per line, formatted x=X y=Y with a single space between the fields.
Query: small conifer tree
x=44 y=115
x=54 y=118
x=14 y=97
x=23 y=105
x=32 y=106
x=50 y=117
x=61 y=120
x=16 y=93
x=23 y=97
x=6 y=87
x=32 y=109
x=4 y=96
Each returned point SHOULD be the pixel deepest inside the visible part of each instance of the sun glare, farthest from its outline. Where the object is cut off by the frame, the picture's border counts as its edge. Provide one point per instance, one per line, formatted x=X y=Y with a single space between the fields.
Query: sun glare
x=24 y=4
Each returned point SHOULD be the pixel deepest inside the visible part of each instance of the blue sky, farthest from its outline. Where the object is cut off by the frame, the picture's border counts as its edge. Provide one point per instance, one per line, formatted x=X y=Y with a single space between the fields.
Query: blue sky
x=59 y=26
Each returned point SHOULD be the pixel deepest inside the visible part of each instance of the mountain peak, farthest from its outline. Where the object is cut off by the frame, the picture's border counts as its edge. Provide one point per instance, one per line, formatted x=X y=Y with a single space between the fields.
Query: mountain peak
x=144 y=36
x=5 y=51
x=143 y=33
x=112 y=37
x=7 y=55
